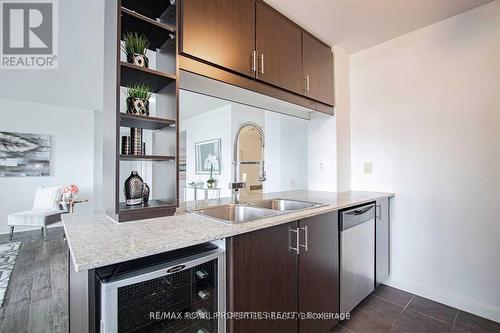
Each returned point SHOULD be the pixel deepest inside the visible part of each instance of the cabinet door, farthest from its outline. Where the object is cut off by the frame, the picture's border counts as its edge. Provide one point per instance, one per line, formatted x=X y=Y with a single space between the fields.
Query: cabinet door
x=382 y=255
x=318 y=278
x=221 y=32
x=278 y=49
x=262 y=276
x=317 y=70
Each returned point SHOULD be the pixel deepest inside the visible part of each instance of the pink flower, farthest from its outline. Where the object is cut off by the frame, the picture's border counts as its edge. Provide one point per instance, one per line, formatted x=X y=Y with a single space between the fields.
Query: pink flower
x=71 y=189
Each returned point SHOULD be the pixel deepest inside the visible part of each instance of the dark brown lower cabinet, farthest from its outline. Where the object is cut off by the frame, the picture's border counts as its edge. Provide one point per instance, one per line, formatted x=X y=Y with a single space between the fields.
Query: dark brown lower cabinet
x=262 y=275
x=267 y=274
x=318 y=271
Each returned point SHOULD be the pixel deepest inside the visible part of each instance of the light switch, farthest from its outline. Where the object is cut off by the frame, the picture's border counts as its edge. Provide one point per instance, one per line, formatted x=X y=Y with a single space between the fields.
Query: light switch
x=368 y=167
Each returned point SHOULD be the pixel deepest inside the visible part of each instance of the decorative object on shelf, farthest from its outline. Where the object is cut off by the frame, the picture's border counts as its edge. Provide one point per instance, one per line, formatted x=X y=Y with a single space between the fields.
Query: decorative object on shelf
x=145 y=193
x=125 y=145
x=134 y=188
x=136 y=141
x=211 y=180
x=138 y=96
x=135 y=47
x=207 y=155
x=24 y=155
x=69 y=192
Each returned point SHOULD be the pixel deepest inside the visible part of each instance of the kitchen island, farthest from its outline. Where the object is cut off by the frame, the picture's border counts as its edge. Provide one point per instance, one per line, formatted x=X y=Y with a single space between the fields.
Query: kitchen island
x=96 y=241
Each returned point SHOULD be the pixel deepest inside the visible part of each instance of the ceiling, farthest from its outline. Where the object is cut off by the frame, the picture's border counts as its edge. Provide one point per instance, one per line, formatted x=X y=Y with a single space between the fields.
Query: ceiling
x=355 y=25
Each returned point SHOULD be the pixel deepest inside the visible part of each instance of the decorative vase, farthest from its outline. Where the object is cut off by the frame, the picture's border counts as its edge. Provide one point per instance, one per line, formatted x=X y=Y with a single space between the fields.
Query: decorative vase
x=134 y=187
x=69 y=197
x=139 y=106
x=145 y=193
x=136 y=141
x=125 y=145
x=138 y=59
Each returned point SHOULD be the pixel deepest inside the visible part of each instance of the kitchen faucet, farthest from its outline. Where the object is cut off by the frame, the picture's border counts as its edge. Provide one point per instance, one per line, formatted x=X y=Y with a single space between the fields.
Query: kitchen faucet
x=236 y=185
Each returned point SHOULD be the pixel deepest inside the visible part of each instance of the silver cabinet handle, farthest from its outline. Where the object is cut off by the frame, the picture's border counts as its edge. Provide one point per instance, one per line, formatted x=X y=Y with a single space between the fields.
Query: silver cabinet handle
x=306 y=239
x=378 y=212
x=307 y=83
x=261 y=58
x=297 y=240
x=254 y=61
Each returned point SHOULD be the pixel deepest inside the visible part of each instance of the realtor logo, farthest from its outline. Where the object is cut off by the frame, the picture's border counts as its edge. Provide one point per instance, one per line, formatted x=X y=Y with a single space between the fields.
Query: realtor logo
x=29 y=34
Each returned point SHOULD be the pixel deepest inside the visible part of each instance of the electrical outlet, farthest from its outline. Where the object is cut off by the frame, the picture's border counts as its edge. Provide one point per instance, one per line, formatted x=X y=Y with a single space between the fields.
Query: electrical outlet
x=368 y=167
x=321 y=166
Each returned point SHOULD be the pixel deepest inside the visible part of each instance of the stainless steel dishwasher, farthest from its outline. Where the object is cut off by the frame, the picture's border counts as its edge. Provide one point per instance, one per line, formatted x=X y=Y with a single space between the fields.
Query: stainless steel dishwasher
x=357 y=255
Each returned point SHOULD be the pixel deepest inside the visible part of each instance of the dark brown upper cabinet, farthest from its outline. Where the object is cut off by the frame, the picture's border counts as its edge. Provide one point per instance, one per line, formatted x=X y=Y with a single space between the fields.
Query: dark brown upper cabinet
x=249 y=44
x=317 y=69
x=279 y=51
x=221 y=32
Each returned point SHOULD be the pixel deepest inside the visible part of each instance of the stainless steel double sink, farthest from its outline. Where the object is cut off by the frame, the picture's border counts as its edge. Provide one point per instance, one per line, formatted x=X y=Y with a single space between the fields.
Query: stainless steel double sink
x=238 y=213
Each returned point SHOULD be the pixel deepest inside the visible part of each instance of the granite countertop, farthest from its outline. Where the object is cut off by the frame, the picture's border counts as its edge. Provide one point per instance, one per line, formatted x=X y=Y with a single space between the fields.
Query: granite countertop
x=95 y=240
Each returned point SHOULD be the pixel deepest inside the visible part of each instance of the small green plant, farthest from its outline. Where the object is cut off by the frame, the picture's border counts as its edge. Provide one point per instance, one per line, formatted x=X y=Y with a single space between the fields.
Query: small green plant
x=135 y=43
x=139 y=90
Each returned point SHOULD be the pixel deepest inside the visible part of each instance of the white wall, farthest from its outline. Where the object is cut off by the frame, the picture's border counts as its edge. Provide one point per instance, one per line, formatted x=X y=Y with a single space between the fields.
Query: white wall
x=343 y=116
x=426 y=111
x=71 y=155
x=329 y=154
x=77 y=82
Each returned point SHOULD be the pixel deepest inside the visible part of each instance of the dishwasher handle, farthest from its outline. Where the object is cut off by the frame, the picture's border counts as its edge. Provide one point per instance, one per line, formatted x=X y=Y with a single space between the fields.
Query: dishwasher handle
x=353 y=217
x=360 y=211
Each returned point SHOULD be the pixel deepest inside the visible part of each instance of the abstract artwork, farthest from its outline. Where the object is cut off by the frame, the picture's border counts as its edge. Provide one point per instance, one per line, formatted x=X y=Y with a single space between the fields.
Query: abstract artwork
x=208 y=154
x=24 y=155
x=8 y=255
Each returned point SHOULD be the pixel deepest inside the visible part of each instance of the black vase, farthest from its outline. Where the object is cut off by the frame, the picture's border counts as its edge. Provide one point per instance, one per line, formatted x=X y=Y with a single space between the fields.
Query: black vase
x=145 y=193
x=134 y=187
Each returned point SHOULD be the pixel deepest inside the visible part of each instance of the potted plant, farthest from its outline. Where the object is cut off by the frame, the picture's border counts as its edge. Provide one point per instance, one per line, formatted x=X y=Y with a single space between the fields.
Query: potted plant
x=211 y=180
x=138 y=99
x=135 y=47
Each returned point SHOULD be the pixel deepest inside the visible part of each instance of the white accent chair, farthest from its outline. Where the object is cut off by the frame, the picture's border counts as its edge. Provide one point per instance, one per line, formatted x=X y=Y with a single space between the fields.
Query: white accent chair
x=46 y=210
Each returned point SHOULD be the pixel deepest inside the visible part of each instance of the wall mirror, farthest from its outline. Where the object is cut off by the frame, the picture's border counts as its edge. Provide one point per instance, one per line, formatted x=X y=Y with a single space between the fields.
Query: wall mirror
x=242 y=143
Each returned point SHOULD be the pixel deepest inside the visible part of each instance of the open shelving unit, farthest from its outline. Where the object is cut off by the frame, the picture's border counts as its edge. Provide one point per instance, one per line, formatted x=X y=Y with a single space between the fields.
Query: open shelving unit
x=146 y=158
x=145 y=122
x=158 y=164
x=156 y=80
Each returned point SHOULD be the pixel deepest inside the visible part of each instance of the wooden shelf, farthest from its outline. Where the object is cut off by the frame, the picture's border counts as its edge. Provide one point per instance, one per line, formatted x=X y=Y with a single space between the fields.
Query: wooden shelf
x=144 y=122
x=146 y=158
x=154 y=208
x=149 y=205
x=156 y=80
x=157 y=33
x=153 y=9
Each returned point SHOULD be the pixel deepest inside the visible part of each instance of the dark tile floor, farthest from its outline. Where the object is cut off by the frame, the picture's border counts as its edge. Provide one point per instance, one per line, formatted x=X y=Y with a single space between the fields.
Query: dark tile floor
x=395 y=311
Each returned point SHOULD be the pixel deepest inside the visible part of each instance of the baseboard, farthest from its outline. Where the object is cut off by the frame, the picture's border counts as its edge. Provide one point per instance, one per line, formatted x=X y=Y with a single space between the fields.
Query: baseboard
x=441 y=296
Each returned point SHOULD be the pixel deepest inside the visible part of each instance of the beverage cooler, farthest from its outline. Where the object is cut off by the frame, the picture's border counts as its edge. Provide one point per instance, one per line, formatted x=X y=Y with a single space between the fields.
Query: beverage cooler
x=180 y=295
